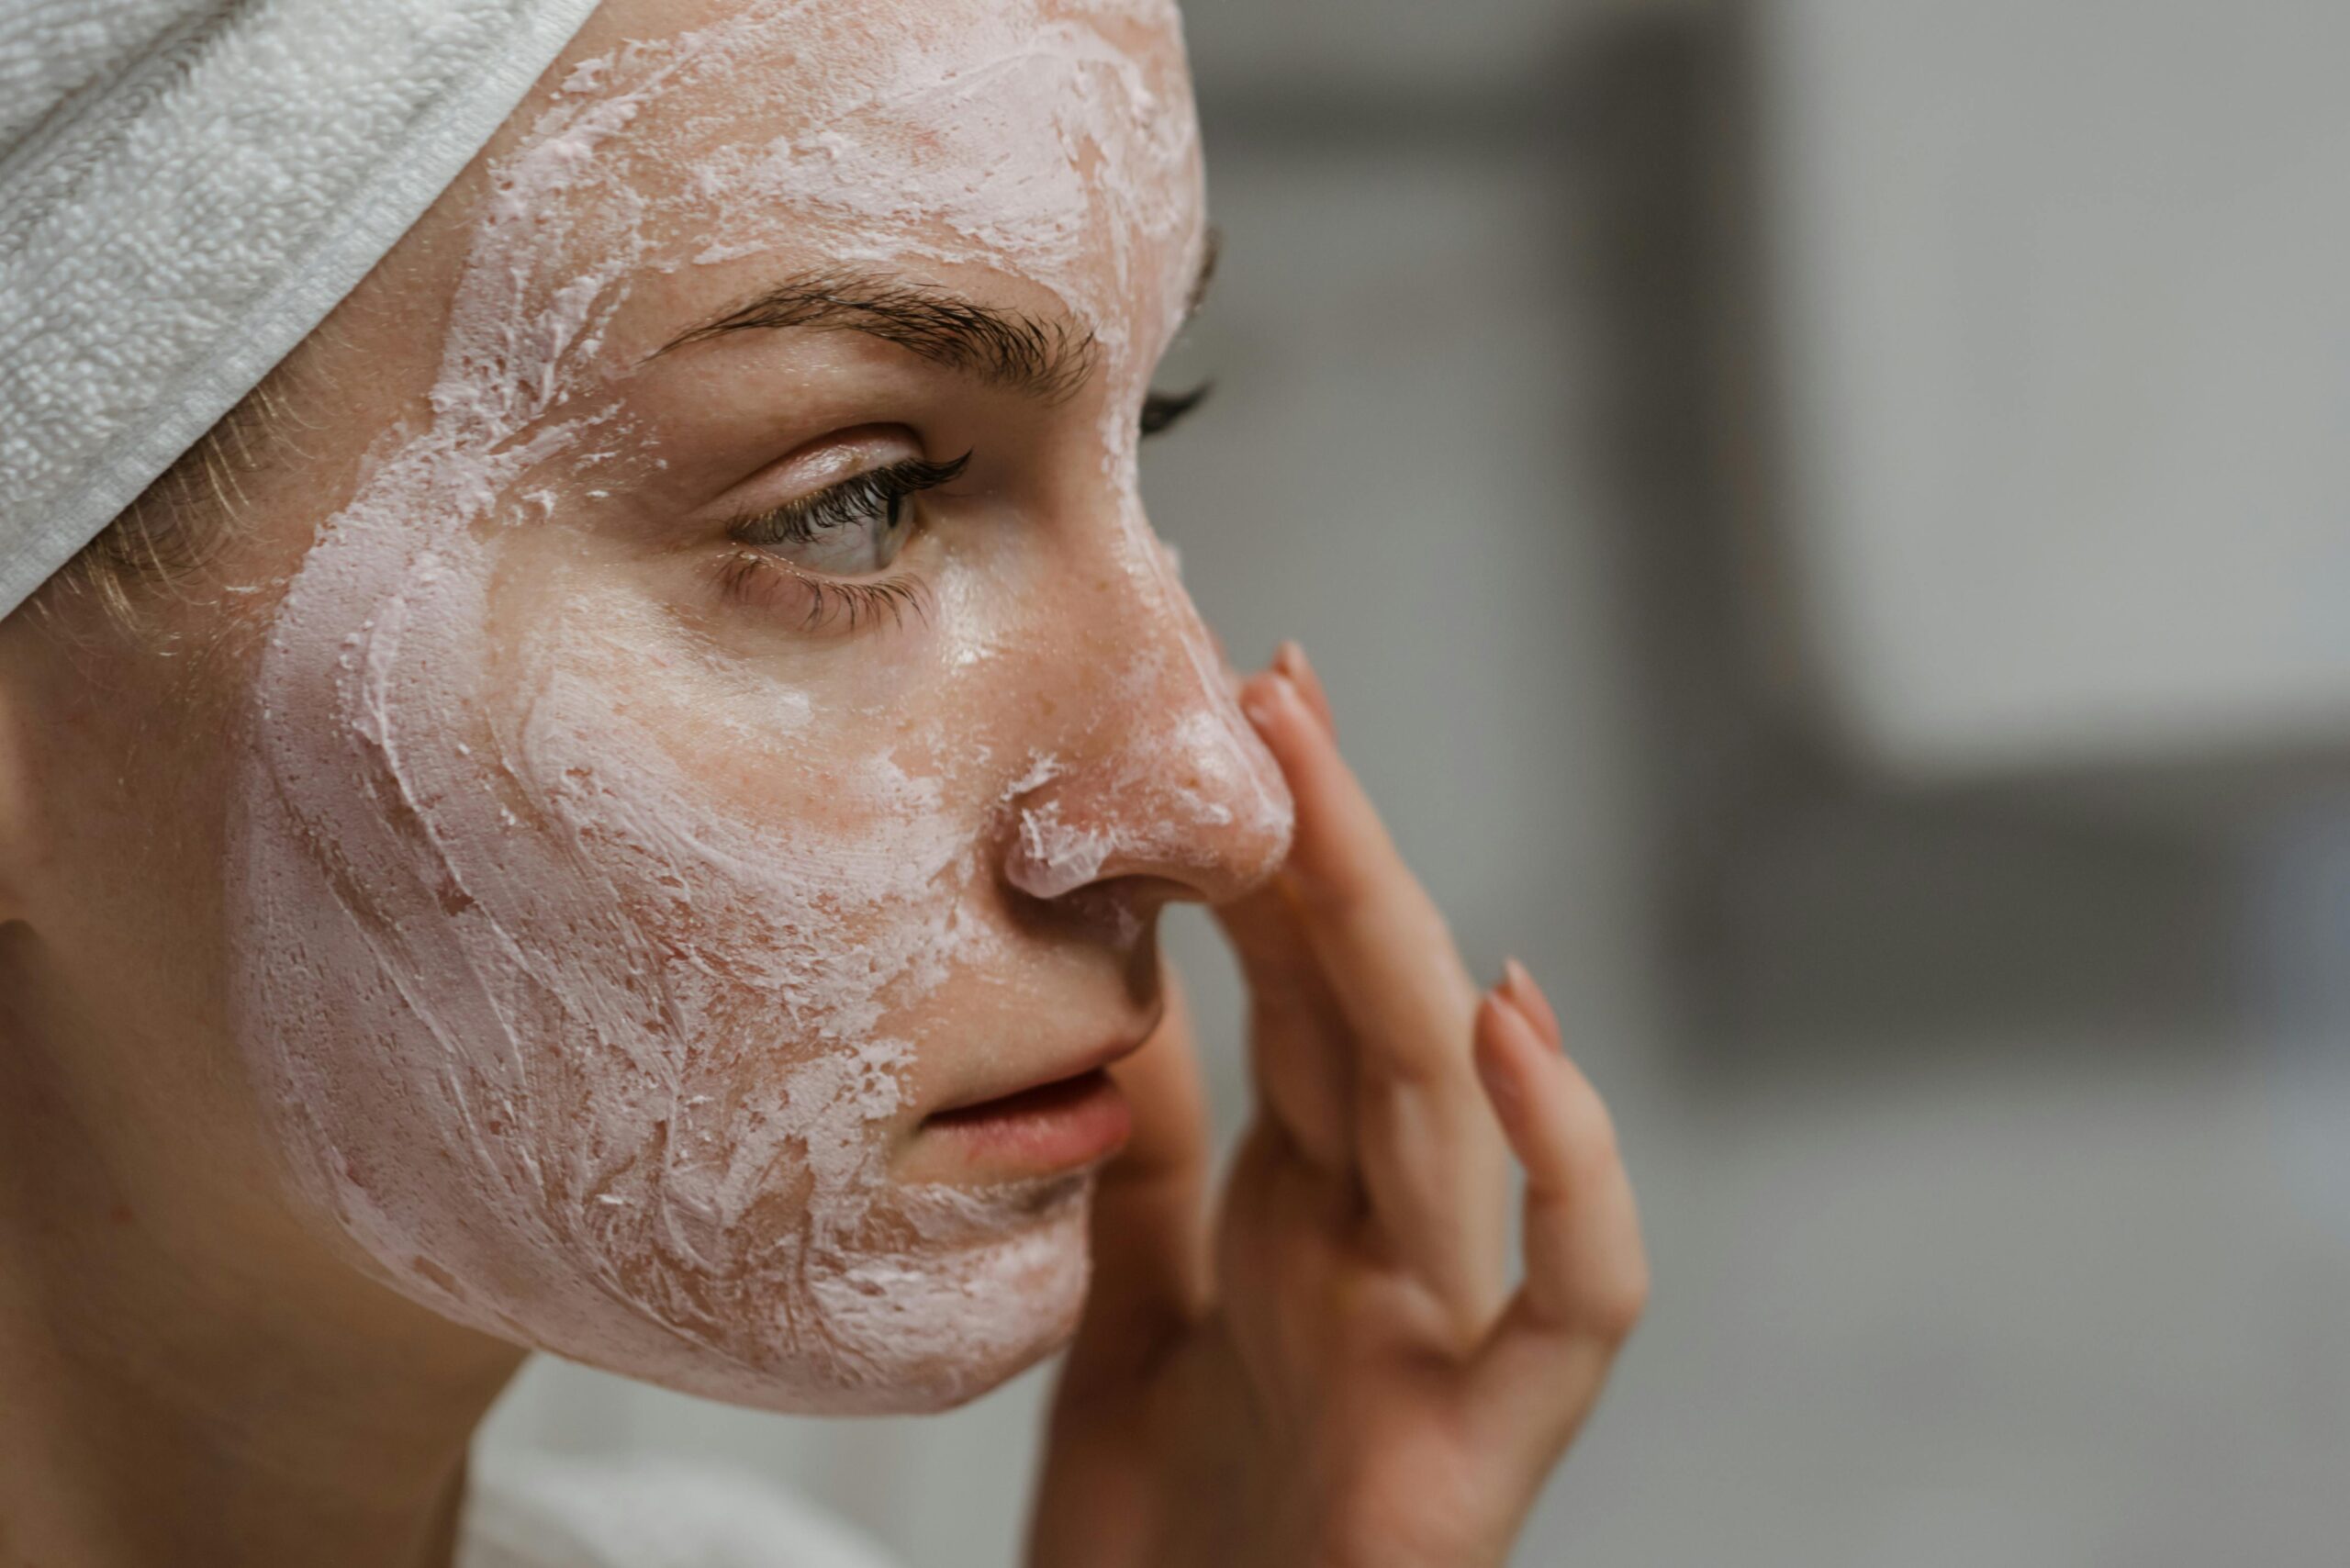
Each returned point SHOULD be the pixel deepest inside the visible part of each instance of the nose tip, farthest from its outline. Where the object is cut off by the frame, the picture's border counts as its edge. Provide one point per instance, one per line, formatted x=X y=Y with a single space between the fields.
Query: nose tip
x=1187 y=797
x=1163 y=782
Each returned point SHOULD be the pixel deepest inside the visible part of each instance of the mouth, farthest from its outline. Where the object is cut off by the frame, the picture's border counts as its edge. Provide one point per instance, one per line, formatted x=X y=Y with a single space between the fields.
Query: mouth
x=1060 y=1124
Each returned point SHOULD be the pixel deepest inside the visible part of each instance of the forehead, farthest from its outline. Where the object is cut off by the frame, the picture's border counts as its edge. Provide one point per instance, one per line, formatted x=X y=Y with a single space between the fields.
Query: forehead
x=1050 y=139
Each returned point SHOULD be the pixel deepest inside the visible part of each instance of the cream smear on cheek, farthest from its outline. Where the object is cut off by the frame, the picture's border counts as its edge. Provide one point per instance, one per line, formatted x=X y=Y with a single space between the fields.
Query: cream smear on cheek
x=578 y=1044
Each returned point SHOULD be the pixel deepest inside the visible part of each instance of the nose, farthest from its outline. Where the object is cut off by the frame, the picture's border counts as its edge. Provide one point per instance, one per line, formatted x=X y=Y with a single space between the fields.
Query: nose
x=1161 y=778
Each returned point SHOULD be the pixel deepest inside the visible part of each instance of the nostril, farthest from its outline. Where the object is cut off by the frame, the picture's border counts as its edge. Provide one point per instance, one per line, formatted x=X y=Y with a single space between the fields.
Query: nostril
x=1197 y=808
x=1052 y=857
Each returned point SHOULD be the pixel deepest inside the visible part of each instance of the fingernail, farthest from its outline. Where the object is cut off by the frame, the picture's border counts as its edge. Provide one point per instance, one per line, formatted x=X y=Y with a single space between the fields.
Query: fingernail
x=1498 y=1086
x=1527 y=997
x=1268 y=694
x=1290 y=661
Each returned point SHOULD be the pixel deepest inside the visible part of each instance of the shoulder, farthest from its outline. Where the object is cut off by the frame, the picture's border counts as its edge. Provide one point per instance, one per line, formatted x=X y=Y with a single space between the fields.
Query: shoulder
x=645 y=1513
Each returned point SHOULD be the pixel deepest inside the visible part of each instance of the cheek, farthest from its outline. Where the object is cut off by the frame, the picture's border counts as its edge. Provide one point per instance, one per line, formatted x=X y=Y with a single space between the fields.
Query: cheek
x=588 y=981
x=582 y=988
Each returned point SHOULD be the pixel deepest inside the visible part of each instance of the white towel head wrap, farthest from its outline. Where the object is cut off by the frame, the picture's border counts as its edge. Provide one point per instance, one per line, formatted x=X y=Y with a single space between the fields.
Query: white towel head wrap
x=187 y=187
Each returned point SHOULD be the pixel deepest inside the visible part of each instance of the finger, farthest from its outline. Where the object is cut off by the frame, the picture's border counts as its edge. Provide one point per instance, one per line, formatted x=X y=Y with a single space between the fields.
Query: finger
x=1428 y=1152
x=1298 y=1039
x=1285 y=1233
x=1533 y=1004
x=1388 y=955
x=1289 y=660
x=1586 y=1281
x=1149 y=1230
x=1149 y=1285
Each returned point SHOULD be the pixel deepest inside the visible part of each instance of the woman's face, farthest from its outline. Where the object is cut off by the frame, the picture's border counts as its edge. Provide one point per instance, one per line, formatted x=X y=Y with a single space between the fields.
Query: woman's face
x=738 y=713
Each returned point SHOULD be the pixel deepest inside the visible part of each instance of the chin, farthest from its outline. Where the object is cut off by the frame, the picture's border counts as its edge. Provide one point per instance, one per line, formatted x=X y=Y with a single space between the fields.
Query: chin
x=958 y=1302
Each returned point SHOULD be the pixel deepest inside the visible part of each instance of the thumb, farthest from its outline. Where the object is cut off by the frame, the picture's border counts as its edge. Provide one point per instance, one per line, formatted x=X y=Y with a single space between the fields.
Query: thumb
x=1150 y=1232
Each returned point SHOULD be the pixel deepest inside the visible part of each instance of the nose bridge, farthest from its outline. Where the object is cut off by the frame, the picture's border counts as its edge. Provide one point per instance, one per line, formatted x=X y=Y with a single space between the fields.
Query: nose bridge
x=1165 y=778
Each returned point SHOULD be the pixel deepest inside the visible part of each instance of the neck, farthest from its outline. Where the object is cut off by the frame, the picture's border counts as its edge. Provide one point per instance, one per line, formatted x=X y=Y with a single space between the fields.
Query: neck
x=188 y=1378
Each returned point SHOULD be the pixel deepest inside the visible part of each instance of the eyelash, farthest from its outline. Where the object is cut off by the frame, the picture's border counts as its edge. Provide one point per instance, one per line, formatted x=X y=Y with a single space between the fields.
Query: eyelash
x=882 y=489
x=751 y=574
x=752 y=571
x=1161 y=410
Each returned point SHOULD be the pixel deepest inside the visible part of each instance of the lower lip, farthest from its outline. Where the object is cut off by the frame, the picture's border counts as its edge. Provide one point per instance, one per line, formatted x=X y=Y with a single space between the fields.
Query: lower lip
x=1056 y=1127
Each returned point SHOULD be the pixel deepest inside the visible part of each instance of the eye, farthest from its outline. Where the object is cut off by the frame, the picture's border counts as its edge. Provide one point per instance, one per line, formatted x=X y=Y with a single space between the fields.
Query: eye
x=852 y=528
x=1161 y=410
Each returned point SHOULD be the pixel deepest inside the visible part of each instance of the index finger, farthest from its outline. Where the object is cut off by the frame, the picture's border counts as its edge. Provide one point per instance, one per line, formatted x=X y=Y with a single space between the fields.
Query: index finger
x=1429 y=1154
x=1379 y=937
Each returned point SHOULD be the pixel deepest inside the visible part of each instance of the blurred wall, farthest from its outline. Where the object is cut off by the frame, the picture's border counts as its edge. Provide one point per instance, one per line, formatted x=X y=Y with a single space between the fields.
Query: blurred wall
x=2063 y=356
x=1984 y=1133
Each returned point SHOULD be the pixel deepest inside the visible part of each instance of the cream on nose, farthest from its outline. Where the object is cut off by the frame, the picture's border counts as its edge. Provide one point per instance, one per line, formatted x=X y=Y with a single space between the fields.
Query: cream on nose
x=1171 y=782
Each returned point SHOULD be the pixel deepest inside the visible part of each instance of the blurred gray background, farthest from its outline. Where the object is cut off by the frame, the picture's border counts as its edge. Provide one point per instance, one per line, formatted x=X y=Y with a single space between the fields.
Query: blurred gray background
x=1828 y=524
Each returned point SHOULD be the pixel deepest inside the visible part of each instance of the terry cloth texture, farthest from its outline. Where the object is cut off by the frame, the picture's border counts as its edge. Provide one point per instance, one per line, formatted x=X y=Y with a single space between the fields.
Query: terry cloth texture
x=187 y=187
x=536 y=1511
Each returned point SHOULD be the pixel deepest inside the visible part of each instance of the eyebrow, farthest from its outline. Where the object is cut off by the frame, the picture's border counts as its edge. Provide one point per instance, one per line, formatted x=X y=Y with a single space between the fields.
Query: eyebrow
x=1044 y=357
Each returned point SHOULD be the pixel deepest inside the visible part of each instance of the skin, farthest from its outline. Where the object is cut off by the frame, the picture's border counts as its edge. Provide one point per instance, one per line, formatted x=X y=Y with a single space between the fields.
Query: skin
x=1330 y=1368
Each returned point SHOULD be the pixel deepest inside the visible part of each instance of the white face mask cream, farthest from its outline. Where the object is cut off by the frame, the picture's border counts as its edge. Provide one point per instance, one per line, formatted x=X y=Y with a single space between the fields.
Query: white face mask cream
x=594 y=974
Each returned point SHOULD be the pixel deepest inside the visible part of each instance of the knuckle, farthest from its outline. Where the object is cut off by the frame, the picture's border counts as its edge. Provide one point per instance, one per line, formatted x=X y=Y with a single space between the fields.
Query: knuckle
x=1613 y=1309
x=1598 y=1154
x=1409 y=1067
x=1597 y=1151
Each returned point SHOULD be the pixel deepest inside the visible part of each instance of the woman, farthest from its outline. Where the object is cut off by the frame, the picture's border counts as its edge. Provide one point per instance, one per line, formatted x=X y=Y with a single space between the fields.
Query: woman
x=616 y=803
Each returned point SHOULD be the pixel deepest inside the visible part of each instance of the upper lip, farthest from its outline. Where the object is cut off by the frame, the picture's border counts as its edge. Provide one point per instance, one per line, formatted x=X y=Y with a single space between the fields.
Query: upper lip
x=1092 y=1061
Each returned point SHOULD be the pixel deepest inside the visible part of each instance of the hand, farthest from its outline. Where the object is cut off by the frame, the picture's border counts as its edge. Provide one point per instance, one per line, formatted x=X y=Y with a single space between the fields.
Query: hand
x=1337 y=1376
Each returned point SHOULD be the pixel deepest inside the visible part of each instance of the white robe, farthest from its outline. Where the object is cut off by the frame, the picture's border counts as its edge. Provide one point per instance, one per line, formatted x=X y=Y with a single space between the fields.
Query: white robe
x=550 y=1513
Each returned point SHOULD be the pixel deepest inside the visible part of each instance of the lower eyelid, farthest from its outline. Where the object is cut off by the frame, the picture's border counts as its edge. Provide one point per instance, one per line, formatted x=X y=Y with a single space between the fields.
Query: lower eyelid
x=766 y=582
x=895 y=597
x=761 y=579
